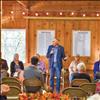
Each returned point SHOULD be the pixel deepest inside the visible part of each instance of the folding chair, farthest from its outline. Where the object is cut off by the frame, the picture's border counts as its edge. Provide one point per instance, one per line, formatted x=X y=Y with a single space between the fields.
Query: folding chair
x=13 y=94
x=75 y=93
x=17 y=84
x=32 y=85
x=78 y=82
x=90 y=88
x=10 y=79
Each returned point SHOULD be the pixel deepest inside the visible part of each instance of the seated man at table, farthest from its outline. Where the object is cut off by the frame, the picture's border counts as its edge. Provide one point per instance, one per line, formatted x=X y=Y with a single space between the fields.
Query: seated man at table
x=81 y=73
x=32 y=71
x=97 y=69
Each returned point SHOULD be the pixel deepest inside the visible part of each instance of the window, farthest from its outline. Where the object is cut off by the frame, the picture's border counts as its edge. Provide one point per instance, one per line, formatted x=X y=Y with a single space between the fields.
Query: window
x=81 y=43
x=13 y=41
x=44 y=39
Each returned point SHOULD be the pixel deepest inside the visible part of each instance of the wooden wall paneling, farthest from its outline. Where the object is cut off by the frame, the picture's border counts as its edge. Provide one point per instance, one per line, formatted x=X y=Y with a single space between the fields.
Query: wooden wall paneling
x=27 y=42
x=93 y=38
x=60 y=31
x=68 y=37
x=68 y=41
x=52 y=24
x=98 y=30
x=83 y=25
x=75 y=25
x=45 y=24
x=97 y=34
x=14 y=23
x=32 y=38
x=35 y=37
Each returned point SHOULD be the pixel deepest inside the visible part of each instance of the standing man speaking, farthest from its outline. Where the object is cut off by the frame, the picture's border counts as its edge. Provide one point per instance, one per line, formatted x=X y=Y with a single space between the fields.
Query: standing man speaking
x=55 y=54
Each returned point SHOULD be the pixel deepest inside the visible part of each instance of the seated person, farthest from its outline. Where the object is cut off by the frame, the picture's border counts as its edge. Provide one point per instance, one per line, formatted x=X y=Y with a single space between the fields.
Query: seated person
x=16 y=66
x=81 y=73
x=97 y=69
x=31 y=72
x=3 y=69
x=41 y=66
x=4 y=65
x=73 y=66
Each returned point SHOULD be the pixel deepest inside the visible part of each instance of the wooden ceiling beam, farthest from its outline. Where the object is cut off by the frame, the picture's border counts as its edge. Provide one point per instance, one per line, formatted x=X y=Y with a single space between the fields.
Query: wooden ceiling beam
x=63 y=18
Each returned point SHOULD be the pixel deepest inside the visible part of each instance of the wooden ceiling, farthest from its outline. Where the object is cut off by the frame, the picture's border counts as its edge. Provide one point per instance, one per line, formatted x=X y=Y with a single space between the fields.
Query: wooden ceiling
x=30 y=6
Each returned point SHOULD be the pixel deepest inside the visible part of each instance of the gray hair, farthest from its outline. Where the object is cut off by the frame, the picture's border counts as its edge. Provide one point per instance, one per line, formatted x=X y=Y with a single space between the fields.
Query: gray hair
x=81 y=66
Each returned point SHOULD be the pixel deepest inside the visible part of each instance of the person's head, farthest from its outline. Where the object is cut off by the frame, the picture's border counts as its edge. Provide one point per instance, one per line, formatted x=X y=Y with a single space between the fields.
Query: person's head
x=16 y=57
x=55 y=42
x=34 y=60
x=77 y=57
x=81 y=67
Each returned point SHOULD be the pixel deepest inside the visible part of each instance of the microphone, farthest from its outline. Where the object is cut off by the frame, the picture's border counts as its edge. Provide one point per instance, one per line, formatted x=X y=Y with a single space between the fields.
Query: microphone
x=52 y=51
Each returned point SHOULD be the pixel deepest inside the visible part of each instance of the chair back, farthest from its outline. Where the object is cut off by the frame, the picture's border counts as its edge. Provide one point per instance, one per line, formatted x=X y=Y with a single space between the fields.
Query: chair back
x=10 y=79
x=75 y=92
x=90 y=88
x=13 y=94
x=78 y=82
x=17 y=84
x=32 y=85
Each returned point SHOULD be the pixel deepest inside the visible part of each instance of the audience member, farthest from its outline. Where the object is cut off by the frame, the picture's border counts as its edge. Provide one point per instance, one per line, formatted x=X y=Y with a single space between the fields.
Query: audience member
x=97 y=69
x=32 y=71
x=4 y=65
x=81 y=73
x=16 y=66
x=73 y=66
x=41 y=66
x=3 y=68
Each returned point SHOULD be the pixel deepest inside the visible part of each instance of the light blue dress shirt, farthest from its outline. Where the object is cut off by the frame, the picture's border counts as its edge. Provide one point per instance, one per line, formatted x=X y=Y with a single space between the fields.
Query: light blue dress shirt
x=55 y=53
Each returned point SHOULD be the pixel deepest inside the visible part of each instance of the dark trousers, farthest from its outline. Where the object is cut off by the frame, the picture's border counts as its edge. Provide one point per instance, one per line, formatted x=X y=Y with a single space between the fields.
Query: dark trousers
x=3 y=97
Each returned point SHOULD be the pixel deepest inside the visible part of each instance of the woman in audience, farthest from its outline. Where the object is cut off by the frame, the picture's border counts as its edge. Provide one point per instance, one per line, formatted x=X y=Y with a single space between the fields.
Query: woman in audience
x=97 y=69
x=16 y=66
x=81 y=73
x=72 y=67
x=41 y=66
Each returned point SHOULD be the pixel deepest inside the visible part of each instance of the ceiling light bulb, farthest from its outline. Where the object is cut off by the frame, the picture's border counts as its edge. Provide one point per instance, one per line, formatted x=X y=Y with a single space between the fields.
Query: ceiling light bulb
x=36 y=14
x=47 y=13
x=23 y=13
x=12 y=12
x=60 y=13
x=97 y=14
x=84 y=15
x=72 y=13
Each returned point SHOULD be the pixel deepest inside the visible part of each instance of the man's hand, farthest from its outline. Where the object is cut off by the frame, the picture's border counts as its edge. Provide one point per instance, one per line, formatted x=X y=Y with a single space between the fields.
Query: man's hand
x=65 y=58
x=52 y=51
